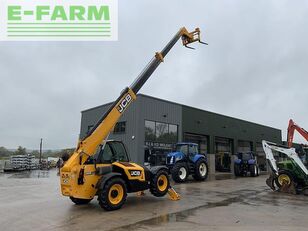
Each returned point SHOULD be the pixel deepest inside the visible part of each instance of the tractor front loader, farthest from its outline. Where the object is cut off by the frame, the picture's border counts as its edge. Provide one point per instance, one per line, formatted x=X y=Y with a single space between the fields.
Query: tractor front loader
x=291 y=175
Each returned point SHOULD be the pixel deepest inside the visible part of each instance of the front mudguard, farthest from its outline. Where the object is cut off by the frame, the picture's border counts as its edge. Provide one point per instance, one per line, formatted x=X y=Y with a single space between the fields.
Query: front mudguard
x=154 y=170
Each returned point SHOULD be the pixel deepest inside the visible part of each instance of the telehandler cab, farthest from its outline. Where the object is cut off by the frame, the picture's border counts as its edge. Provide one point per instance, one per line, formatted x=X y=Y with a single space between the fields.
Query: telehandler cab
x=101 y=167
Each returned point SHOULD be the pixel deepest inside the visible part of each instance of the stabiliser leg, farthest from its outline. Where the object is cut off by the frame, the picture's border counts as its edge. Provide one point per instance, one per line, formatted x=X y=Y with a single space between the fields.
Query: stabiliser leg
x=173 y=195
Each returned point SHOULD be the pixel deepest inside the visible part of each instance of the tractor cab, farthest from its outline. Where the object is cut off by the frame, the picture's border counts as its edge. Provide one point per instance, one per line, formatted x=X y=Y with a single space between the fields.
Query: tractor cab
x=108 y=153
x=188 y=149
x=112 y=152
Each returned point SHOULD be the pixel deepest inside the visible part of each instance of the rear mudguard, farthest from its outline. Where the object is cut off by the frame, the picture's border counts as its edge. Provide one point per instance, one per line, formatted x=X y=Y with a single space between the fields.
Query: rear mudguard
x=154 y=170
x=198 y=157
x=102 y=181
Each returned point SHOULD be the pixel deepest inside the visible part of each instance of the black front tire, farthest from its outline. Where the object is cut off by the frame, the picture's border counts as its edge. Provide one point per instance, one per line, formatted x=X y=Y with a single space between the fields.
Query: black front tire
x=160 y=183
x=79 y=201
x=253 y=170
x=105 y=197
x=201 y=170
x=178 y=174
x=237 y=170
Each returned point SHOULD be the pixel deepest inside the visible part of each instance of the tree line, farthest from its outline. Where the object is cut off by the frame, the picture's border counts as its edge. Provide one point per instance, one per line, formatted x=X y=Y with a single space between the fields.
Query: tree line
x=5 y=153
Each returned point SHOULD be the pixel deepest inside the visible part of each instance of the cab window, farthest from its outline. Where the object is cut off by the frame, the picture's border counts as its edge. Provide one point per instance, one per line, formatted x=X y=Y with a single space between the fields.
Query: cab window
x=105 y=156
x=193 y=149
x=119 y=152
x=182 y=148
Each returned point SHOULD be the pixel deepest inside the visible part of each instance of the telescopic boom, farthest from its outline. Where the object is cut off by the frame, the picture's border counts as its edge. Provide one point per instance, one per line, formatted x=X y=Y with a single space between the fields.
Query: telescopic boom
x=88 y=145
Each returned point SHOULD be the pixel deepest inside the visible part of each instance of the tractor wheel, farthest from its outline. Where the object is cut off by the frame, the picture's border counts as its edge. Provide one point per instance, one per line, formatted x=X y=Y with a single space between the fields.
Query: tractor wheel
x=253 y=170
x=237 y=170
x=201 y=170
x=284 y=178
x=79 y=201
x=258 y=170
x=113 y=195
x=160 y=184
x=305 y=191
x=179 y=172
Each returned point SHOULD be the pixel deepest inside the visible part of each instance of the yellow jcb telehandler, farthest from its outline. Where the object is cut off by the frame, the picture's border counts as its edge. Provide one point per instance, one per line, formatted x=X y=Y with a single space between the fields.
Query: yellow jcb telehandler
x=99 y=167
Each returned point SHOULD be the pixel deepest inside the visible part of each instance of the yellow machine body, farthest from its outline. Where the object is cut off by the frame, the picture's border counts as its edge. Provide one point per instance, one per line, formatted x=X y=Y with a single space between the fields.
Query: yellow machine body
x=71 y=188
x=82 y=179
x=69 y=173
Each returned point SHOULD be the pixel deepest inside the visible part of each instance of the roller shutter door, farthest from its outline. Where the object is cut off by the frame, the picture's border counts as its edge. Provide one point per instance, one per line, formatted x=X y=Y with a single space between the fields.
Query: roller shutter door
x=223 y=145
x=244 y=146
x=201 y=140
x=261 y=156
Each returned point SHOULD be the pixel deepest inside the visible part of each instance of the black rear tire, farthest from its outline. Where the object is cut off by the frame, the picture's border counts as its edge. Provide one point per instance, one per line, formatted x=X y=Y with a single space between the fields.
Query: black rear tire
x=160 y=183
x=305 y=191
x=201 y=170
x=179 y=172
x=79 y=201
x=113 y=195
x=237 y=170
x=253 y=170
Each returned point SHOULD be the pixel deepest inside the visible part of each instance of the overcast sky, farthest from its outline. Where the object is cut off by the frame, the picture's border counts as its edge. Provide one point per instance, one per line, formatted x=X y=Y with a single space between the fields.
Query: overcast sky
x=255 y=68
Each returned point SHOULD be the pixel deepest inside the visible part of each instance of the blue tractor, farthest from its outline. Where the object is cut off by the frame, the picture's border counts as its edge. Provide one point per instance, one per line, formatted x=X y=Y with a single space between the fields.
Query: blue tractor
x=246 y=163
x=186 y=160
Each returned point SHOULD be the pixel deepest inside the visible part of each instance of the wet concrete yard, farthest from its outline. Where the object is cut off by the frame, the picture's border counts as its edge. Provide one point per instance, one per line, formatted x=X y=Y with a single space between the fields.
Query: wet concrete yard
x=32 y=201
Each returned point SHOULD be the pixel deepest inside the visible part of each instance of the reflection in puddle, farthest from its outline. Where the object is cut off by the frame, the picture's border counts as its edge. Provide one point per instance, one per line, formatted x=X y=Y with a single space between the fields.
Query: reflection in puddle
x=178 y=216
x=226 y=176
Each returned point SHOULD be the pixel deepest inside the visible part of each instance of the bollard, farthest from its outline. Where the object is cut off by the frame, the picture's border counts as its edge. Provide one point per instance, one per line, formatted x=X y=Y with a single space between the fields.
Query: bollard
x=233 y=157
x=211 y=163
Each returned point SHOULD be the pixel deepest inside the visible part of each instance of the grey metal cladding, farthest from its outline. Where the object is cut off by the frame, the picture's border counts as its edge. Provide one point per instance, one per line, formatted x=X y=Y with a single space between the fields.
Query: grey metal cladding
x=154 y=109
x=188 y=119
x=91 y=116
x=209 y=123
x=144 y=108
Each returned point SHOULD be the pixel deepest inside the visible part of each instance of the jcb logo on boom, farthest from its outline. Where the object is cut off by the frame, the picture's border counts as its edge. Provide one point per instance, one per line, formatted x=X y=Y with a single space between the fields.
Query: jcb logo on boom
x=124 y=103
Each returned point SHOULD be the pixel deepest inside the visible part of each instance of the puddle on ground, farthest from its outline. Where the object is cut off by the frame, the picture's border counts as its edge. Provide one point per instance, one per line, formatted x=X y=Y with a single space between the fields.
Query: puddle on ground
x=182 y=215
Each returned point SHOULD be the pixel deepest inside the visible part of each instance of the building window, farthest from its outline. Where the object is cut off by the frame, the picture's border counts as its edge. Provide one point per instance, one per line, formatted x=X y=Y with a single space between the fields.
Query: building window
x=161 y=132
x=90 y=128
x=150 y=131
x=173 y=133
x=119 y=127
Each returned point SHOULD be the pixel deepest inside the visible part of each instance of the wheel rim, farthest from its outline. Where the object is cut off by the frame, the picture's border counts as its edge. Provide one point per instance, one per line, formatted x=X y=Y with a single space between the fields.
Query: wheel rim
x=116 y=194
x=162 y=183
x=202 y=169
x=256 y=171
x=182 y=173
x=284 y=179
